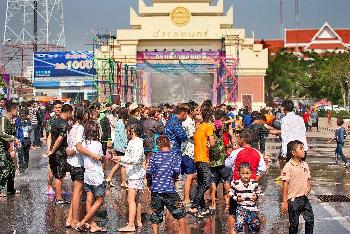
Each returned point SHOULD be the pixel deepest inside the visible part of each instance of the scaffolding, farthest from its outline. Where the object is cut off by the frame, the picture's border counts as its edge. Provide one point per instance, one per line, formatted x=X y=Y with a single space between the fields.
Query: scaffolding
x=30 y=26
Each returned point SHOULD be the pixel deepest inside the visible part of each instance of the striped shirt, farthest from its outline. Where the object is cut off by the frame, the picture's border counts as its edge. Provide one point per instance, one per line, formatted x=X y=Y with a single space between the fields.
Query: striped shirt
x=162 y=169
x=245 y=192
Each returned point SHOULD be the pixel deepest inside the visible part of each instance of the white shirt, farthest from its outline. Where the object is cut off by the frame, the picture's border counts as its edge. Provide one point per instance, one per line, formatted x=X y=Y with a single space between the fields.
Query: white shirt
x=75 y=136
x=292 y=128
x=93 y=174
x=187 y=147
x=133 y=159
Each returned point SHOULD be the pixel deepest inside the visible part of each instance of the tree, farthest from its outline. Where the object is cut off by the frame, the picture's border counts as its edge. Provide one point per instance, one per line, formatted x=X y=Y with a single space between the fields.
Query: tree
x=286 y=76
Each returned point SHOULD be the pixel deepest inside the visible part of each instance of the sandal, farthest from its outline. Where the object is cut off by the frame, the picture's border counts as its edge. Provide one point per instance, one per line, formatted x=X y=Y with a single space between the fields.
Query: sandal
x=98 y=230
x=125 y=229
x=80 y=228
x=110 y=183
x=3 y=195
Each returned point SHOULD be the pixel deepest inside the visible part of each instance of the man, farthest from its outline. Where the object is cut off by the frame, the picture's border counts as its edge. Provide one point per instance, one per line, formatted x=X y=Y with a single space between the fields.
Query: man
x=203 y=140
x=7 y=150
x=35 y=124
x=57 y=106
x=174 y=130
x=57 y=150
x=292 y=128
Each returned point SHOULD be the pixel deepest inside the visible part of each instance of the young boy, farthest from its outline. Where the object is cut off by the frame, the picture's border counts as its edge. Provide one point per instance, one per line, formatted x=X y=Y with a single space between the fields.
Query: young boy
x=163 y=168
x=246 y=191
x=339 y=138
x=296 y=186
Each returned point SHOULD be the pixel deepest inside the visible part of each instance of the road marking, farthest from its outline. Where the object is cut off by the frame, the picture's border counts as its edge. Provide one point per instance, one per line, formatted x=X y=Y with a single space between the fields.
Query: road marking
x=336 y=215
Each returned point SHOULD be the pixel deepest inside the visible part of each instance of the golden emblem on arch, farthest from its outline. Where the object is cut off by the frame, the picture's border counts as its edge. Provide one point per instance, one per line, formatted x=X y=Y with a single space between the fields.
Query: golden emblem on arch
x=180 y=16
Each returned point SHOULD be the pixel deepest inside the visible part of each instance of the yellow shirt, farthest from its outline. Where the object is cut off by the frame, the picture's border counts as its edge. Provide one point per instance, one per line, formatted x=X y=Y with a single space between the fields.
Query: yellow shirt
x=201 y=149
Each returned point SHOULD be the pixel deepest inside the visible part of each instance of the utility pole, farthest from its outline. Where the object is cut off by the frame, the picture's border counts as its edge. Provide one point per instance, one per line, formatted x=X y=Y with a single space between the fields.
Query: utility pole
x=281 y=19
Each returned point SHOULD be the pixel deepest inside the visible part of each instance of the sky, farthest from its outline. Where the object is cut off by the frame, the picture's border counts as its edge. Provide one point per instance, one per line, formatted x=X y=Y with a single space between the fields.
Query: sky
x=260 y=16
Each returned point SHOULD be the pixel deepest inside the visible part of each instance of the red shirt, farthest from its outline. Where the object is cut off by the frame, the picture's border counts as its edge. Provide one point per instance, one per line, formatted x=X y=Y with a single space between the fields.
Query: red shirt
x=306 y=117
x=249 y=155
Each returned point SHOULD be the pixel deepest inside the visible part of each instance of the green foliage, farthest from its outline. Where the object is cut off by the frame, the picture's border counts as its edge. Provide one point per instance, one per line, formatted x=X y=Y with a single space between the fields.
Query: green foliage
x=340 y=114
x=312 y=76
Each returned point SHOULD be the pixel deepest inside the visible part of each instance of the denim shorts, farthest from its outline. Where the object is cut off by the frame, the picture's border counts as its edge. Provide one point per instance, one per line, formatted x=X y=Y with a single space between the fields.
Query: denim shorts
x=247 y=217
x=171 y=201
x=98 y=191
x=76 y=173
x=187 y=165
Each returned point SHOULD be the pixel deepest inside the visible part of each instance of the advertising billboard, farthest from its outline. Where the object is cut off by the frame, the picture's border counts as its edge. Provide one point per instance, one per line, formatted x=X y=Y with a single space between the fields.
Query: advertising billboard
x=63 y=64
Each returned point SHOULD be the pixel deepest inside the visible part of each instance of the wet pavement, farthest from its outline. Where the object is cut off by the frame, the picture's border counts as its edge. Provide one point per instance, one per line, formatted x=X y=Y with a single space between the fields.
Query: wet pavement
x=34 y=212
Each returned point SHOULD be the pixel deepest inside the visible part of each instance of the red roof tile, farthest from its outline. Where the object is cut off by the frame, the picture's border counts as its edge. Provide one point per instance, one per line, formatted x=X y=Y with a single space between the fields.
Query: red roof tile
x=344 y=34
x=272 y=45
x=300 y=35
x=326 y=46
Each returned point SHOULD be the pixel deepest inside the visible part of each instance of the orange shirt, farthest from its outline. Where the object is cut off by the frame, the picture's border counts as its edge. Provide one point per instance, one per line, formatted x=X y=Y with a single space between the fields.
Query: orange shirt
x=200 y=137
x=269 y=119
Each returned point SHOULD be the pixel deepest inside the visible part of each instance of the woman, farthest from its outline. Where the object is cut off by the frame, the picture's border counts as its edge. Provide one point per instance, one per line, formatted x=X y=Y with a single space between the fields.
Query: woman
x=133 y=160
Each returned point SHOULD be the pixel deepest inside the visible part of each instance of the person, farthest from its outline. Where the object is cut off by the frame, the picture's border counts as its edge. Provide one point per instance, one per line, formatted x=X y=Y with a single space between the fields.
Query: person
x=23 y=154
x=94 y=184
x=217 y=155
x=7 y=150
x=329 y=118
x=164 y=166
x=57 y=151
x=35 y=124
x=296 y=187
x=75 y=162
x=314 y=120
x=245 y=191
x=292 y=128
x=203 y=140
x=173 y=128
x=306 y=118
x=188 y=167
x=56 y=112
x=119 y=145
x=133 y=161
x=261 y=132
x=245 y=154
x=339 y=138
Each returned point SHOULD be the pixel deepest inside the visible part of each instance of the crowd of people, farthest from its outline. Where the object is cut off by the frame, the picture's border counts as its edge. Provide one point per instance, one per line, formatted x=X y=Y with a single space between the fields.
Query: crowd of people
x=151 y=147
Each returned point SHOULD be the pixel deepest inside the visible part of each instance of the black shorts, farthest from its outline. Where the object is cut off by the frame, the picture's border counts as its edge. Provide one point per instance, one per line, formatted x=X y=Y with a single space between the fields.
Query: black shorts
x=220 y=174
x=171 y=201
x=76 y=173
x=232 y=207
x=58 y=165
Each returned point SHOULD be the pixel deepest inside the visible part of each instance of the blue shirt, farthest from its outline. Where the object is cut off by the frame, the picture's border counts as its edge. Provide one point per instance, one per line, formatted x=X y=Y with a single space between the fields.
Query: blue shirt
x=19 y=130
x=161 y=171
x=175 y=132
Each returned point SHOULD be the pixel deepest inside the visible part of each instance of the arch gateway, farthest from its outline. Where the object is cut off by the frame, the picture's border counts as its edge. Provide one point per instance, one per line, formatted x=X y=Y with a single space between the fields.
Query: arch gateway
x=176 y=50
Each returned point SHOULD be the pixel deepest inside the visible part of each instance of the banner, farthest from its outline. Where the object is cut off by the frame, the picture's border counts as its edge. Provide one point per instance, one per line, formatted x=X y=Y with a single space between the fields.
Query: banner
x=174 y=55
x=63 y=64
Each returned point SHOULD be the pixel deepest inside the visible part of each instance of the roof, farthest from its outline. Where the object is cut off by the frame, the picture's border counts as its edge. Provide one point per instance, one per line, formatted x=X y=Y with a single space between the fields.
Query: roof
x=305 y=35
x=273 y=45
x=332 y=46
x=300 y=35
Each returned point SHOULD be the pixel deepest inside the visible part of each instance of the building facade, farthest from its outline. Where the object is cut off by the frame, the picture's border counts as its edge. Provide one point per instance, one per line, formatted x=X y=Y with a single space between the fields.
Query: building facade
x=189 y=49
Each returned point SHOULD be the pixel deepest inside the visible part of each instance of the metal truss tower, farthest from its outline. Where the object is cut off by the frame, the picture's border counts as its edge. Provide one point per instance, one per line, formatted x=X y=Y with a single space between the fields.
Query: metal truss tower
x=30 y=26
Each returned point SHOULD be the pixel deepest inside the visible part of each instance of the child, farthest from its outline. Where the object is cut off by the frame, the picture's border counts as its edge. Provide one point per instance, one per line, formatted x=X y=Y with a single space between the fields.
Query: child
x=94 y=184
x=246 y=191
x=296 y=186
x=245 y=154
x=163 y=168
x=340 y=135
x=133 y=161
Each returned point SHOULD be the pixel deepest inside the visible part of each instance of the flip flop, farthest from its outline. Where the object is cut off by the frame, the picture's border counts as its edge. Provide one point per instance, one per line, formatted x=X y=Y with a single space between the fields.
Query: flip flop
x=98 y=230
x=126 y=230
x=3 y=195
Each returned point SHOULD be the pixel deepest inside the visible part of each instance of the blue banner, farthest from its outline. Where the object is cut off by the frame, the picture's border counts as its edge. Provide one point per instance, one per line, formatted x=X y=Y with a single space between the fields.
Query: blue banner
x=63 y=64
